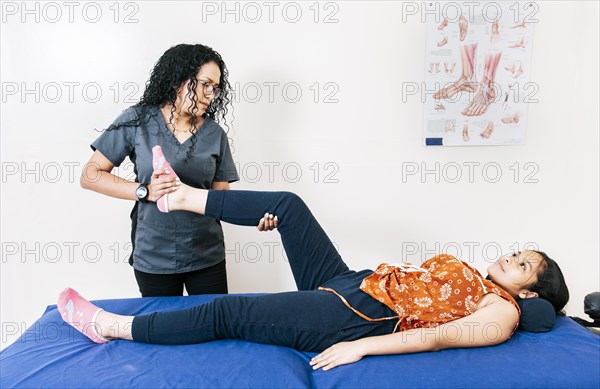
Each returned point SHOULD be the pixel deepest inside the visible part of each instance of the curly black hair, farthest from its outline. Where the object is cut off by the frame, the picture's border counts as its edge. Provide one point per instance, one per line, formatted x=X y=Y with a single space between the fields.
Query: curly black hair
x=177 y=65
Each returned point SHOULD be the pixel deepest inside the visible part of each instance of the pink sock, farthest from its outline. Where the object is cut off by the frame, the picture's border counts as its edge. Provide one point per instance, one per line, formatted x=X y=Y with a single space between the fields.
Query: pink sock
x=79 y=313
x=159 y=162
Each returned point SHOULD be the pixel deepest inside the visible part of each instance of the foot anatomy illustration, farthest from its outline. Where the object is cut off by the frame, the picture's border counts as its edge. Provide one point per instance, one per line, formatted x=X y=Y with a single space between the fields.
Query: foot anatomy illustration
x=466 y=82
x=463 y=26
x=521 y=24
x=443 y=24
x=495 y=36
x=487 y=132
x=520 y=44
x=486 y=93
x=512 y=119
x=465 y=133
x=515 y=71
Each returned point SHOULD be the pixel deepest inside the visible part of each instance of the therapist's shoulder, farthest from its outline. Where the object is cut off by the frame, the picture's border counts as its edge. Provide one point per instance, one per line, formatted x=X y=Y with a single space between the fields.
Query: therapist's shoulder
x=129 y=114
x=211 y=126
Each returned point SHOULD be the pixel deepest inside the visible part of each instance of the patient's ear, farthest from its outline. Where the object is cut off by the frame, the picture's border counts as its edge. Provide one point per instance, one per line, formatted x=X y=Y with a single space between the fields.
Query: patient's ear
x=527 y=294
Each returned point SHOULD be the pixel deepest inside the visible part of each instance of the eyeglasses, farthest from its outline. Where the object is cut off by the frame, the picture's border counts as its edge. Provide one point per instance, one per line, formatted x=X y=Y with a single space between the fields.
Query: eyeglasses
x=209 y=89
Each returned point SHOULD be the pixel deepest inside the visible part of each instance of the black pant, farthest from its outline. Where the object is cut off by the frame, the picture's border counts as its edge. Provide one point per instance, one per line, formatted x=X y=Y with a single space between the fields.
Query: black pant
x=308 y=319
x=210 y=280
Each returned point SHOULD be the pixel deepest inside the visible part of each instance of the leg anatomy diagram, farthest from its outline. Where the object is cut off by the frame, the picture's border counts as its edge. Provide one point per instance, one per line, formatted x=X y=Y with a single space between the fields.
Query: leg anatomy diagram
x=485 y=92
x=487 y=97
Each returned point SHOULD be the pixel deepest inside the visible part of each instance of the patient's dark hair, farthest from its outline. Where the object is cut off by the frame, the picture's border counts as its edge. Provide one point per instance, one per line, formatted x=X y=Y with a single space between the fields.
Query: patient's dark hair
x=551 y=283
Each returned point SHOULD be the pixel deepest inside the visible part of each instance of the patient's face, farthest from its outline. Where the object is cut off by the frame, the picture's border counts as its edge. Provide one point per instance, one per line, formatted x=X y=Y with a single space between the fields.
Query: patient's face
x=516 y=272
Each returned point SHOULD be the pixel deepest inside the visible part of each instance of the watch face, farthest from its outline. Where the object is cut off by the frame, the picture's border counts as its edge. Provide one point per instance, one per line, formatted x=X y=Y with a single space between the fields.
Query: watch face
x=141 y=192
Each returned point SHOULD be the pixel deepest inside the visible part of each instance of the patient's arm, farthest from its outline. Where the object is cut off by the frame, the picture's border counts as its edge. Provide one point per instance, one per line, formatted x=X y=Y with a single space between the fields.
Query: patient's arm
x=492 y=323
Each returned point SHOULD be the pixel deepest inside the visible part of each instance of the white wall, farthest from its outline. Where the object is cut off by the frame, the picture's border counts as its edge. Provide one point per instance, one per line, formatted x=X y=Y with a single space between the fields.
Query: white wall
x=51 y=228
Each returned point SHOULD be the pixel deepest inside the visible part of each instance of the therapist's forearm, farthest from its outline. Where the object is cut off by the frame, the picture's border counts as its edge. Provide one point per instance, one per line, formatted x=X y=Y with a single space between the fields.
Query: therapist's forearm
x=108 y=184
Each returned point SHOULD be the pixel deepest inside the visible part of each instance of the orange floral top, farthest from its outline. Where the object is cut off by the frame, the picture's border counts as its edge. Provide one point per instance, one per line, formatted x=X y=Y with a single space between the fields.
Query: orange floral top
x=442 y=289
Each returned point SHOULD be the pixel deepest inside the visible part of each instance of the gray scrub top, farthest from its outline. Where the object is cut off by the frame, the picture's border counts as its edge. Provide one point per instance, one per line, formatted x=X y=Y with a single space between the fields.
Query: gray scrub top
x=176 y=242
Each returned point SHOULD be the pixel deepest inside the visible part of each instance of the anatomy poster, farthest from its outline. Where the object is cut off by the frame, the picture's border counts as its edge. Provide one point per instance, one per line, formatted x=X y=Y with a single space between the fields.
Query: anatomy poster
x=477 y=79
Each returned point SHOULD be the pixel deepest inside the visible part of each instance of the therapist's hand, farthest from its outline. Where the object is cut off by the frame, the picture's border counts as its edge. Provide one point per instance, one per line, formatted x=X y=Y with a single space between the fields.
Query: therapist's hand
x=160 y=186
x=267 y=223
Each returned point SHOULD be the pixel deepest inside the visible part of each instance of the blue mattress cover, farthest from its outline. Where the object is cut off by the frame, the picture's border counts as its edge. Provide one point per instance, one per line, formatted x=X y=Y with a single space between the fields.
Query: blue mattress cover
x=51 y=354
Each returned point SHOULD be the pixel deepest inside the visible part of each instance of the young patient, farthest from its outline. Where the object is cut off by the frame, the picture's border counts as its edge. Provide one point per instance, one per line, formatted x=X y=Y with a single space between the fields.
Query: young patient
x=342 y=314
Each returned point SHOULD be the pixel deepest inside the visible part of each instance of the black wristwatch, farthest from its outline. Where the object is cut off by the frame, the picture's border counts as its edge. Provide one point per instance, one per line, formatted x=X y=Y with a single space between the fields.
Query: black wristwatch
x=142 y=193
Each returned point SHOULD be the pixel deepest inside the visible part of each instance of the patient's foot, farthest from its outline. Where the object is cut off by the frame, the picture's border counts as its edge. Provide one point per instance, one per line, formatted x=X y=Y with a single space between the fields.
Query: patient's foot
x=158 y=163
x=81 y=314
x=185 y=198
x=442 y=42
x=94 y=322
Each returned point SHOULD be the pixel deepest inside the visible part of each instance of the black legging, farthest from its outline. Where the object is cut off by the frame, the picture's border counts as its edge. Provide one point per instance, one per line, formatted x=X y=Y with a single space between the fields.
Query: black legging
x=308 y=319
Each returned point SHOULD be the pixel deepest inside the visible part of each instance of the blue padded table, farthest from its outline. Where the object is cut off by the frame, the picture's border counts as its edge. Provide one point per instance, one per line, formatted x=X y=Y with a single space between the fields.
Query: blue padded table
x=51 y=354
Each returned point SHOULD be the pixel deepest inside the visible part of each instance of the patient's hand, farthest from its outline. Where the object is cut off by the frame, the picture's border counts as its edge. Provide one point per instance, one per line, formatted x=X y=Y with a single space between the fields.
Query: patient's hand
x=339 y=354
x=267 y=223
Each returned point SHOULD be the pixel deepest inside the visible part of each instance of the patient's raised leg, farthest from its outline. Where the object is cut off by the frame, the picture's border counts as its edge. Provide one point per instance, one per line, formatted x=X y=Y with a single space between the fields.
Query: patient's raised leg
x=312 y=256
